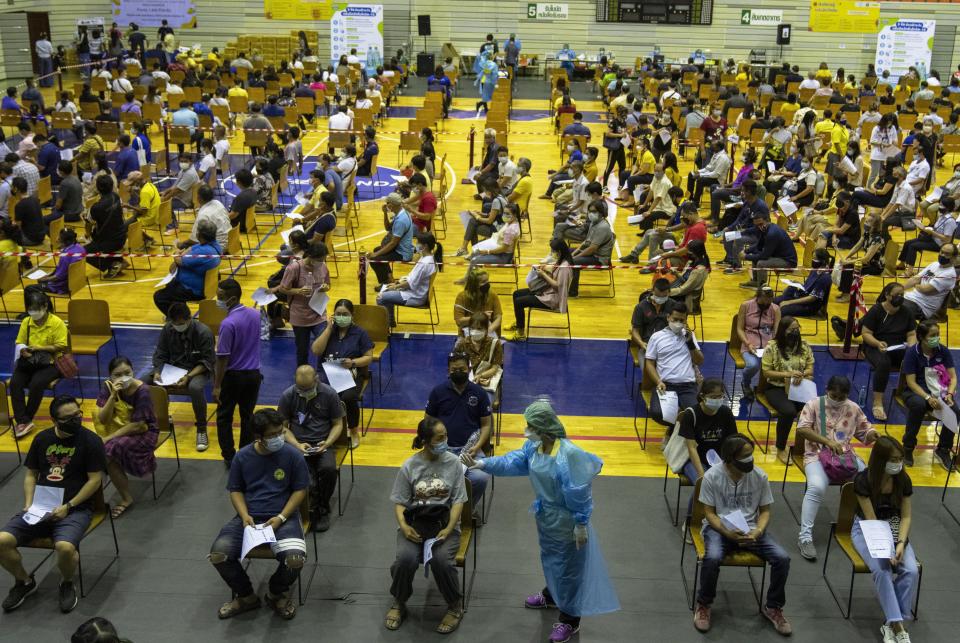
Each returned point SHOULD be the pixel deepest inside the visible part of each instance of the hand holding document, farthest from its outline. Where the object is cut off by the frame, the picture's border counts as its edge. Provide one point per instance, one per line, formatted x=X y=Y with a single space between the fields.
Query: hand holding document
x=255 y=536
x=803 y=392
x=786 y=206
x=669 y=406
x=45 y=502
x=170 y=375
x=736 y=521
x=339 y=377
x=261 y=297
x=879 y=538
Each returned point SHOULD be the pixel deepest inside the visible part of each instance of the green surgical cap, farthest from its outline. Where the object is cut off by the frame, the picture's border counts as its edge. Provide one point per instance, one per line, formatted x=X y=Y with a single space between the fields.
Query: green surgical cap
x=541 y=417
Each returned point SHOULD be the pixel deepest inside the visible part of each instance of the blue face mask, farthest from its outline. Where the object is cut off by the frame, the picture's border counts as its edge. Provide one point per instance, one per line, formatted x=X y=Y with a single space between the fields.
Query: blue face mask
x=274 y=444
x=439 y=449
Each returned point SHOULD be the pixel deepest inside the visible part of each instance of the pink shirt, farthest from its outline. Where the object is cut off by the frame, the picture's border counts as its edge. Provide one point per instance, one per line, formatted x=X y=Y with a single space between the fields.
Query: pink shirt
x=295 y=275
x=848 y=419
x=757 y=326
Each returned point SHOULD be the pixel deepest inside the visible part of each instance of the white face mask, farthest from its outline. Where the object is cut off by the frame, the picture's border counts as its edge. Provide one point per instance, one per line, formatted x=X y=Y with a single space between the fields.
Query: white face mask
x=594 y=217
x=677 y=326
x=477 y=334
x=893 y=468
x=37 y=315
x=185 y=166
x=713 y=404
x=122 y=381
x=530 y=435
x=658 y=300
x=569 y=148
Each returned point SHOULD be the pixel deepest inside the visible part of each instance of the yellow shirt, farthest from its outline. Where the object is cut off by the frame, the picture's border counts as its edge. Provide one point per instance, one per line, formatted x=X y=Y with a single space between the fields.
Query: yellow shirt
x=150 y=200
x=839 y=139
x=590 y=171
x=673 y=175
x=9 y=245
x=52 y=333
x=647 y=159
x=522 y=192
x=237 y=90
x=824 y=73
x=559 y=102
x=85 y=153
x=742 y=76
x=787 y=110
x=824 y=126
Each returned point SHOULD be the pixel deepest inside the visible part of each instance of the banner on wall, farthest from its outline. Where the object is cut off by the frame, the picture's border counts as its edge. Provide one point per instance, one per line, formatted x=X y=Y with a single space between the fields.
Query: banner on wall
x=179 y=14
x=755 y=17
x=360 y=27
x=903 y=43
x=845 y=16
x=547 y=11
x=297 y=9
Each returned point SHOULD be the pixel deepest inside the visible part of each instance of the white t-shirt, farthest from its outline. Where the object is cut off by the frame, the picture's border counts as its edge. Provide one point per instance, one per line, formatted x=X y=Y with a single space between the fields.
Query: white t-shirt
x=346 y=166
x=919 y=169
x=340 y=121
x=904 y=196
x=810 y=83
x=943 y=279
x=674 y=363
x=206 y=163
x=508 y=170
x=221 y=149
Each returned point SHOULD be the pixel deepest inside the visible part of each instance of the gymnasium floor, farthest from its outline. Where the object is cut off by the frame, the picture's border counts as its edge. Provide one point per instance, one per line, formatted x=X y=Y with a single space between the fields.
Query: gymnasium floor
x=163 y=542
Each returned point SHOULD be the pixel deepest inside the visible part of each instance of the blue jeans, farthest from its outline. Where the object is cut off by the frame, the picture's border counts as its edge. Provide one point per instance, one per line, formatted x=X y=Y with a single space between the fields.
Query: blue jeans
x=896 y=586
x=477 y=477
x=717 y=547
x=817 y=483
x=751 y=366
x=391 y=298
x=691 y=472
x=290 y=550
x=46 y=67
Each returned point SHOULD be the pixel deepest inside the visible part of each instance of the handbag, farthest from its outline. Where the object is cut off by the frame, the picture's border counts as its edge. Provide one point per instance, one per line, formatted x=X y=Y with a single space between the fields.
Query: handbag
x=37 y=359
x=427 y=520
x=839 y=468
x=675 y=449
x=486 y=364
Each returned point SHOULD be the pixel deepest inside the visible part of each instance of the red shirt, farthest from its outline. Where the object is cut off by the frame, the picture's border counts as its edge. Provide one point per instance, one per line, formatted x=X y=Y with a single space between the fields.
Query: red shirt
x=428 y=205
x=697 y=231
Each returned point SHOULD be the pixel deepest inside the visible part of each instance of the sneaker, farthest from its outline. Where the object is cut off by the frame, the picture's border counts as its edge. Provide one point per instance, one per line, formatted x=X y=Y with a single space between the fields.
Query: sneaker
x=908 y=457
x=747 y=395
x=68 y=597
x=18 y=593
x=687 y=537
x=902 y=637
x=701 y=617
x=202 y=440
x=518 y=336
x=750 y=285
x=723 y=262
x=562 y=633
x=23 y=429
x=538 y=602
x=323 y=521
x=171 y=229
x=944 y=458
x=461 y=253
x=807 y=549
x=732 y=270
x=630 y=258
x=780 y=622
x=887 y=633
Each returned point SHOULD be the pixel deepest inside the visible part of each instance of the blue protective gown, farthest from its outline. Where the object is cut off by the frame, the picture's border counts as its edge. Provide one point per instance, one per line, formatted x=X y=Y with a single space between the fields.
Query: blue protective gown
x=487 y=78
x=577 y=579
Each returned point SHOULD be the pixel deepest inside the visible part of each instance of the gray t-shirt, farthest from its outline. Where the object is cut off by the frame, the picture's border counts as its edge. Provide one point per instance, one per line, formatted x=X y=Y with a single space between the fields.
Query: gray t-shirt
x=602 y=236
x=71 y=193
x=310 y=421
x=719 y=491
x=424 y=482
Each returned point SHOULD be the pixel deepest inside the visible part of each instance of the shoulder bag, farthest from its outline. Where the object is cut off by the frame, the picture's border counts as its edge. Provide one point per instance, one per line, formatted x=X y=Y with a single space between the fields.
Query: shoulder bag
x=839 y=468
x=675 y=449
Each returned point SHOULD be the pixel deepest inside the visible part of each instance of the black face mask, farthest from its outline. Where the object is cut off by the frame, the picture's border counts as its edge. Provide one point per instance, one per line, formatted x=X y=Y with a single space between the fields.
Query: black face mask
x=945 y=260
x=70 y=427
x=459 y=378
x=793 y=336
x=484 y=289
x=762 y=306
x=743 y=467
x=896 y=301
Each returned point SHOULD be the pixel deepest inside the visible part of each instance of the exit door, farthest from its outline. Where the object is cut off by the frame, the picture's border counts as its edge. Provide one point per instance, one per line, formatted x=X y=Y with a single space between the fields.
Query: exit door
x=16 y=44
x=38 y=22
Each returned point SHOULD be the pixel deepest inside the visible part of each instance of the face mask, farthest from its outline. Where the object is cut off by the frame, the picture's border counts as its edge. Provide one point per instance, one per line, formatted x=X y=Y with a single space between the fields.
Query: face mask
x=927 y=129
x=180 y=327
x=594 y=217
x=569 y=148
x=893 y=468
x=793 y=336
x=944 y=260
x=309 y=394
x=70 y=427
x=717 y=115
x=745 y=465
x=659 y=175
x=184 y=166
x=933 y=342
x=459 y=378
x=222 y=304
x=476 y=334
x=956 y=174
x=273 y=444
x=530 y=435
x=713 y=404
x=439 y=449
x=658 y=300
x=484 y=289
x=37 y=315
x=896 y=301
x=122 y=381
x=677 y=326
x=835 y=403
x=805 y=165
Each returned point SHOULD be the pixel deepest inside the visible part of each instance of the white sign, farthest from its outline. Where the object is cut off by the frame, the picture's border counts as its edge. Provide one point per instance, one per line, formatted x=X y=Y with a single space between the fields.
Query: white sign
x=360 y=27
x=179 y=13
x=547 y=11
x=904 y=44
x=754 y=17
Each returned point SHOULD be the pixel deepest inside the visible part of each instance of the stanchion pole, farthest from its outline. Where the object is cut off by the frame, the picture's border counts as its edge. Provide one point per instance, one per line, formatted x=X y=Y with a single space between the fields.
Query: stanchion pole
x=60 y=80
x=166 y=144
x=362 y=275
x=848 y=351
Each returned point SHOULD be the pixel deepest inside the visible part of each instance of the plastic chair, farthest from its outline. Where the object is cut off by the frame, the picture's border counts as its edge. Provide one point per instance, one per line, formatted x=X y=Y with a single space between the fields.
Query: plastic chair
x=733 y=352
x=167 y=431
x=431 y=306
x=466 y=539
x=6 y=419
x=682 y=481
x=88 y=321
x=373 y=319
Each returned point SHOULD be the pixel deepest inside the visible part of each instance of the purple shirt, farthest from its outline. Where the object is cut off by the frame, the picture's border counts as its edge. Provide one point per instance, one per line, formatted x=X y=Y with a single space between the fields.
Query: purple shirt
x=240 y=339
x=742 y=175
x=59 y=282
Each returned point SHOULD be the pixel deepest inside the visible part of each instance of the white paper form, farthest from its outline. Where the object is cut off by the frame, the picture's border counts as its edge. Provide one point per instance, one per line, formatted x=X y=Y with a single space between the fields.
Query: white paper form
x=803 y=392
x=45 y=500
x=340 y=378
x=37 y=274
x=285 y=234
x=737 y=521
x=786 y=206
x=262 y=298
x=255 y=536
x=163 y=282
x=669 y=406
x=878 y=537
x=428 y=555
x=319 y=301
x=946 y=415
x=170 y=375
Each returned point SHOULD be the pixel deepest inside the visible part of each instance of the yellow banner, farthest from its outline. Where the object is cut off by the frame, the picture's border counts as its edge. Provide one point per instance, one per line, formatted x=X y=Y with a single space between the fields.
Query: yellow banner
x=846 y=16
x=298 y=9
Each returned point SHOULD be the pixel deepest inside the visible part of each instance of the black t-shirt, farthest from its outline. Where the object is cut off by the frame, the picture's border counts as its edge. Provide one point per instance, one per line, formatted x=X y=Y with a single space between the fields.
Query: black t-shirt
x=110 y=232
x=647 y=320
x=65 y=462
x=30 y=217
x=708 y=430
x=889 y=328
x=885 y=509
x=246 y=199
x=851 y=218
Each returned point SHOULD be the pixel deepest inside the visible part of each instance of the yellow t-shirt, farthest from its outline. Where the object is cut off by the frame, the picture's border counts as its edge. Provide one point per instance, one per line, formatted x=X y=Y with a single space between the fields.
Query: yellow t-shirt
x=823 y=126
x=9 y=245
x=52 y=333
x=149 y=199
x=647 y=159
x=787 y=110
x=673 y=175
x=236 y=90
x=557 y=103
x=522 y=192
x=824 y=73
x=590 y=171
x=839 y=139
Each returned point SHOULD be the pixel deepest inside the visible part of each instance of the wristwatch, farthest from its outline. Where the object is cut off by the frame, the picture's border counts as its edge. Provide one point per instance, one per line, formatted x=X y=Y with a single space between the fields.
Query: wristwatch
x=282 y=518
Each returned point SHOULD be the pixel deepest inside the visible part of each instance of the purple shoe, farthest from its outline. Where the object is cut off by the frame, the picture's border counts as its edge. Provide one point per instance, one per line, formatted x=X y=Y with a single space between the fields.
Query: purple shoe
x=538 y=602
x=562 y=633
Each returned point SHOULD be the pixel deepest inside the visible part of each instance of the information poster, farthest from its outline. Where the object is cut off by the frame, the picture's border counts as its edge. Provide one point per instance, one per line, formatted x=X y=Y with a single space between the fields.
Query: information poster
x=180 y=14
x=297 y=9
x=903 y=43
x=357 y=26
x=844 y=16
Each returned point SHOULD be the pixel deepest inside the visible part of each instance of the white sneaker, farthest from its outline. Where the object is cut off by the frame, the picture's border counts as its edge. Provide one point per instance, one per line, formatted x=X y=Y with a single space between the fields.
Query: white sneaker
x=886 y=632
x=903 y=637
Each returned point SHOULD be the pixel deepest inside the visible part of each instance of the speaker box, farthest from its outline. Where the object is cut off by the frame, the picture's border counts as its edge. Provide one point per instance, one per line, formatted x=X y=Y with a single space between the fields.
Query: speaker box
x=423 y=25
x=425 y=65
x=783 y=34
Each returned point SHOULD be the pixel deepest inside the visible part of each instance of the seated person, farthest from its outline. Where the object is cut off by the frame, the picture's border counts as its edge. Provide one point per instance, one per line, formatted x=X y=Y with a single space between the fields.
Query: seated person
x=757 y=321
x=484 y=223
x=186 y=343
x=348 y=342
x=704 y=426
x=650 y=314
x=432 y=477
x=477 y=297
x=72 y=252
x=107 y=231
x=268 y=482
x=931 y=287
x=689 y=284
x=640 y=174
x=653 y=238
x=312 y=412
x=484 y=351
x=500 y=246
x=66 y=456
x=872 y=245
x=564 y=175
x=414 y=288
x=397 y=245
x=902 y=208
x=752 y=206
x=884 y=492
x=725 y=192
x=787 y=359
x=811 y=298
x=846 y=232
x=128 y=424
x=671 y=357
x=597 y=248
x=888 y=323
x=547 y=286
x=829 y=422
x=925 y=393
x=738 y=485
x=773 y=249
x=802 y=190
x=929 y=238
x=191 y=268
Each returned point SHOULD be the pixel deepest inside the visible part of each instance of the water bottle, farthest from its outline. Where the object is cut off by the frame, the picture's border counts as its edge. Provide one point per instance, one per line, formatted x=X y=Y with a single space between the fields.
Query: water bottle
x=862 y=397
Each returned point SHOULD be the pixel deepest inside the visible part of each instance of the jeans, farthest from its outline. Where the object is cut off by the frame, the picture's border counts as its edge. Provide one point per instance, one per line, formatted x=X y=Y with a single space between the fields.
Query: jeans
x=651 y=241
x=290 y=550
x=718 y=197
x=35 y=380
x=760 y=268
x=690 y=471
x=896 y=587
x=390 y=298
x=862 y=197
x=697 y=184
x=195 y=389
x=303 y=336
x=442 y=566
x=717 y=547
x=916 y=408
x=618 y=158
x=522 y=299
x=555 y=179
x=733 y=249
x=591 y=260
x=239 y=388
x=787 y=411
x=475 y=230
x=46 y=68
x=751 y=366
x=686 y=396
x=882 y=362
x=817 y=483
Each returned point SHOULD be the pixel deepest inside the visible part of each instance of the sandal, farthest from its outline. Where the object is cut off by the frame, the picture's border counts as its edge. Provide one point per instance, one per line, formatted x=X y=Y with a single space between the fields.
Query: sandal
x=451 y=621
x=238 y=606
x=282 y=605
x=879 y=414
x=119 y=509
x=395 y=616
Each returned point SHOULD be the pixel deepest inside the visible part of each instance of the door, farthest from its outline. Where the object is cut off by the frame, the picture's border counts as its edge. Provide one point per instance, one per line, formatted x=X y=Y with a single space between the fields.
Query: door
x=38 y=22
x=16 y=45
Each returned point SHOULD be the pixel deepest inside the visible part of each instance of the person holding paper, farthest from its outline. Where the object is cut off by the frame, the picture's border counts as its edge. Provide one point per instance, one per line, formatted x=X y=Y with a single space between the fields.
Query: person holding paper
x=561 y=473
x=429 y=495
x=484 y=351
x=671 y=357
x=66 y=459
x=808 y=300
x=929 y=238
x=499 y=248
x=547 y=286
x=846 y=232
x=147 y=209
x=267 y=483
x=570 y=219
x=650 y=314
x=885 y=492
x=786 y=359
x=826 y=427
x=209 y=209
x=773 y=249
x=689 y=285
x=901 y=209
x=928 y=290
x=597 y=248
x=931 y=386
x=640 y=174
x=302 y=280
x=185 y=344
x=740 y=232
x=126 y=421
x=71 y=252
x=704 y=426
x=887 y=331
x=713 y=173
x=397 y=245
x=724 y=192
x=413 y=289
x=757 y=321
x=313 y=412
x=653 y=237
x=741 y=491
x=190 y=269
